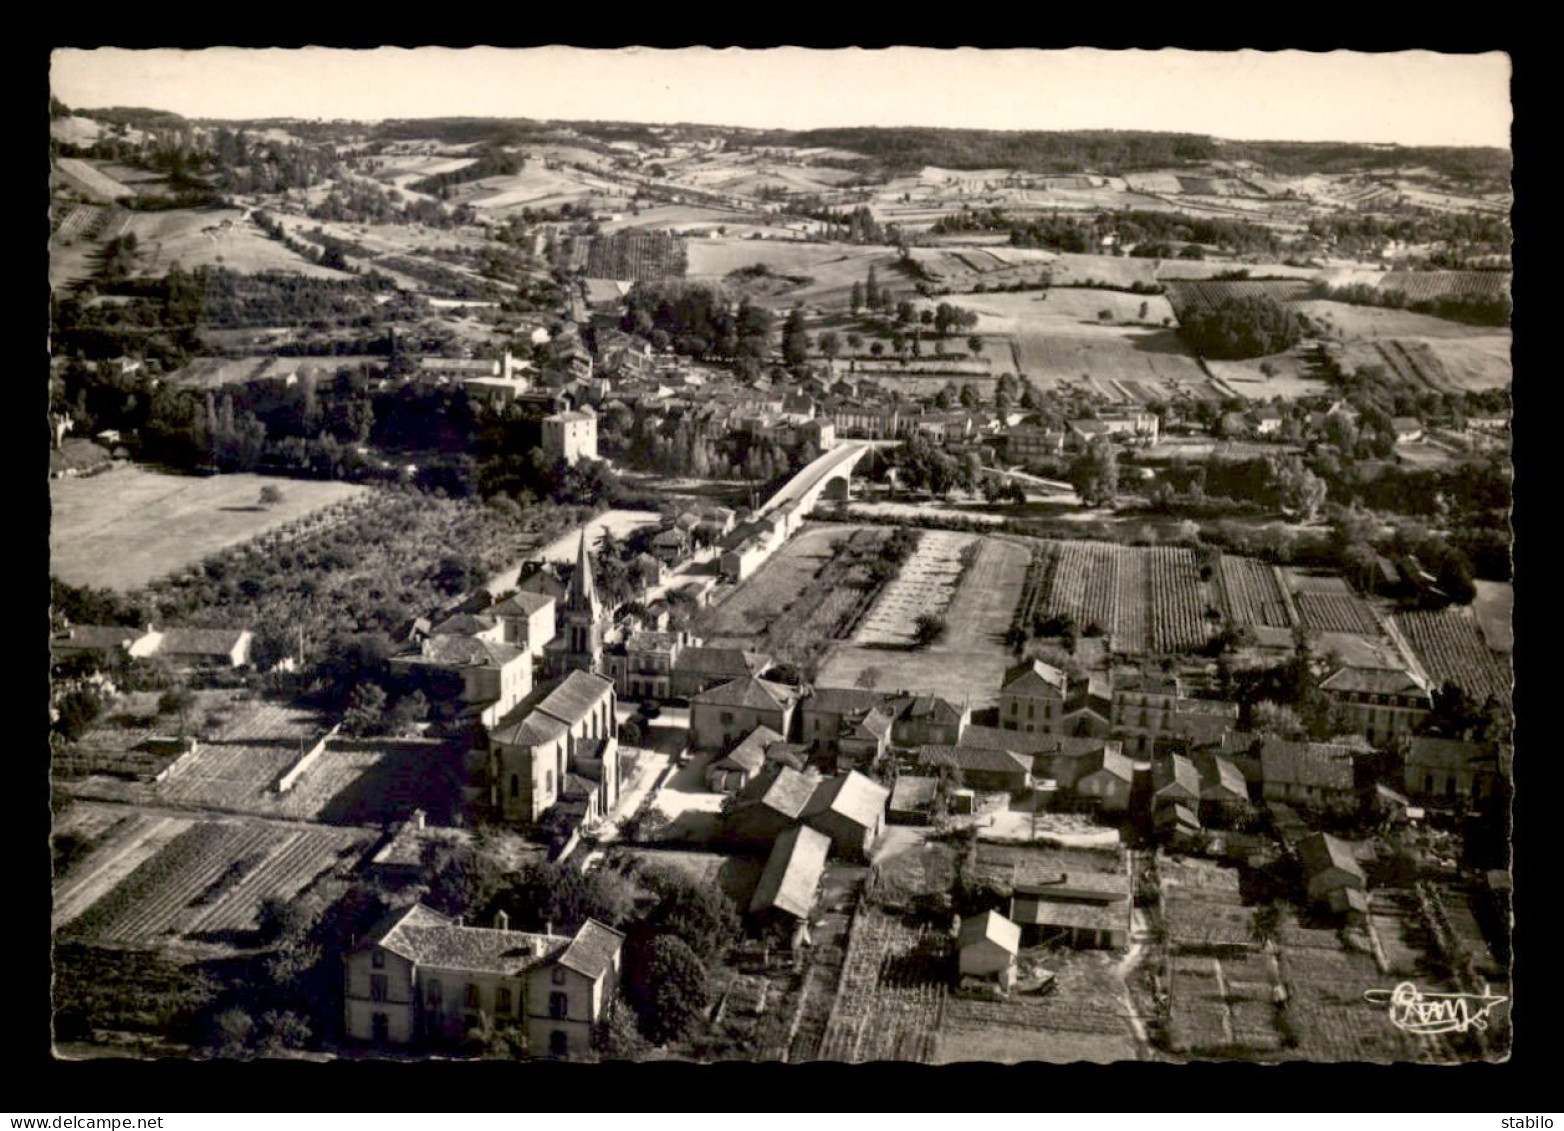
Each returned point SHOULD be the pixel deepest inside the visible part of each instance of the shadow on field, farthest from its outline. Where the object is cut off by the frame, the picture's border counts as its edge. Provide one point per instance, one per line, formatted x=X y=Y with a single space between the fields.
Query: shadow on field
x=409 y=775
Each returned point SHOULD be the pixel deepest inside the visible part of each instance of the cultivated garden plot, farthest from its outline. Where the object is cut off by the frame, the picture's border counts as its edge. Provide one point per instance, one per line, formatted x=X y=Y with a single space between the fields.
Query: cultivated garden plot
x=237 y=763
x=1095 y=583
x=211 y=878
x=132 y=839
x=894 y=983
x=1254 y=594
x=926 y=585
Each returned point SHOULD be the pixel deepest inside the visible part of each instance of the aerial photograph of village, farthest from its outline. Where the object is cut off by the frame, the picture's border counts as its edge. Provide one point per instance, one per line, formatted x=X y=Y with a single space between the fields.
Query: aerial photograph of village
x=585 y=568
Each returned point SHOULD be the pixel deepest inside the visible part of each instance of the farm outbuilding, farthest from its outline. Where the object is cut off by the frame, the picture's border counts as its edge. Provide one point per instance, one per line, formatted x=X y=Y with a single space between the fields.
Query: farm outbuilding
x=849 y=809
x=1091 y=911
x=792 y=875
x=912 y=799
x=987 y=945
x=1329 y=866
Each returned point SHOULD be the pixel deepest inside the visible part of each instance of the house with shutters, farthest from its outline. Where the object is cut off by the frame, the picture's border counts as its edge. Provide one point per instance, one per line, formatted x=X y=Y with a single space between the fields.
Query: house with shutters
x=1032 y=697
x=527 y=620
x=421 y=977
x=723 y=715
x=698 y=668
x=1383 y=703
x=1313 y=772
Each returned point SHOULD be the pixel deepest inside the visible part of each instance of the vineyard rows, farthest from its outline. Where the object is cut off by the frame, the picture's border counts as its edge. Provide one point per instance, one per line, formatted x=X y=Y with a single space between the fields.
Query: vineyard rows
x=1337 y=612
x=891 y=994
x=148 y=902
x=1427 y=286
x=212 y=877
x=641 y=256
x=1450 y=646
x=1253 y=593
x=1143 y=598
x=1177 y=607
x=1129 y=629
x=1194 y=294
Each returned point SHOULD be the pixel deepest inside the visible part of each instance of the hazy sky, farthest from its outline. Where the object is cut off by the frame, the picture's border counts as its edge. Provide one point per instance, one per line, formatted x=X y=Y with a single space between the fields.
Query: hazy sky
x=1413 y=98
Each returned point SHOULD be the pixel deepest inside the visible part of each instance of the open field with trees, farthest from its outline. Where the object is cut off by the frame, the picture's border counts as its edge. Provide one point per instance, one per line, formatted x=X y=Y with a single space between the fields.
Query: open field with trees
x=831 y=268
x=127 y=527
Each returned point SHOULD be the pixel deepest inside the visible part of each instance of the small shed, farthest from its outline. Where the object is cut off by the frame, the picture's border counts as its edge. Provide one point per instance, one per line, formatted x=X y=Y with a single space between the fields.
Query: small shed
x=987 y=945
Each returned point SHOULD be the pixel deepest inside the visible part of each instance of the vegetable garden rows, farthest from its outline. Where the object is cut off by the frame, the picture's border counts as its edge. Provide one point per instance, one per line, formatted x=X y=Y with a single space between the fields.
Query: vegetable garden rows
x=892 y=991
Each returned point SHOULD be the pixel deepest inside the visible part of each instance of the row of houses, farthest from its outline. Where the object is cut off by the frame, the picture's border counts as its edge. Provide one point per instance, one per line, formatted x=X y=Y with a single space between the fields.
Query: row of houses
x=188 y=648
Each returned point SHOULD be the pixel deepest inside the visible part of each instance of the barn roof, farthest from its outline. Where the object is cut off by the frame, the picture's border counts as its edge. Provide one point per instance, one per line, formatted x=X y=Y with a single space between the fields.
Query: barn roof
x=1319 y=852
x=1110 y=757
x=201 y=641
x=1375 y=681
x=749 y=692
x=967 y=758
x=792 y=872
x=853 y=796
x=996 y=738
x=1175 y=773
x=1306 y=763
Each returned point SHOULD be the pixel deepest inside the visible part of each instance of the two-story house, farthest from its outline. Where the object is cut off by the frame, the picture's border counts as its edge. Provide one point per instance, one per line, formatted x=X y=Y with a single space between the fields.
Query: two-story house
x=423 y=977
x=719 y=717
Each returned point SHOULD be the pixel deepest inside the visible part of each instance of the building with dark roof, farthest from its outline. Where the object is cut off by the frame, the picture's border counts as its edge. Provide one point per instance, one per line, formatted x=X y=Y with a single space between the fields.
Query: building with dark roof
x=699 y=668
x=768 y=805
x=420 y=977
x=1089 y=909
x=743 y=764
x=1445 y=770
x=1000 y=771
x=1314 y=772
x=1328 y=865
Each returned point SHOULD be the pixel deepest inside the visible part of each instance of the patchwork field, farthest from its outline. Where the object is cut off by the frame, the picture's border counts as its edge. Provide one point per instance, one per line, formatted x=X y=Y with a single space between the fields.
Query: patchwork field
x=208 y=881
x=926 y=584
x=1439 y=365
x=131 y=525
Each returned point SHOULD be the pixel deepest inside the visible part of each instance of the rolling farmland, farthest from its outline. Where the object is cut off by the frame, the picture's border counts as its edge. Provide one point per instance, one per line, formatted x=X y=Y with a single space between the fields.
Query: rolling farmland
x=1450 y=645
x=1427 y=286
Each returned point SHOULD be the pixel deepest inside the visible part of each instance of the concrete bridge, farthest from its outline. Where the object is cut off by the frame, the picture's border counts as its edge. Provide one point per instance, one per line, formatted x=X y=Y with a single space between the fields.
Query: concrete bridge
x=826 y=477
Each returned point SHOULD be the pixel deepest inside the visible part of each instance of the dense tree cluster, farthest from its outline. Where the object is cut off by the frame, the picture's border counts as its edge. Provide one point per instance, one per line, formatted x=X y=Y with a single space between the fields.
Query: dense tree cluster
x=697 y=320
x=1240 y=326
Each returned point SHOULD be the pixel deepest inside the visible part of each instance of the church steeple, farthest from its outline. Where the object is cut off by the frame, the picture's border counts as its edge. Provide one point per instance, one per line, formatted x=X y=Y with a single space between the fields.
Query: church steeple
x=583 y=594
